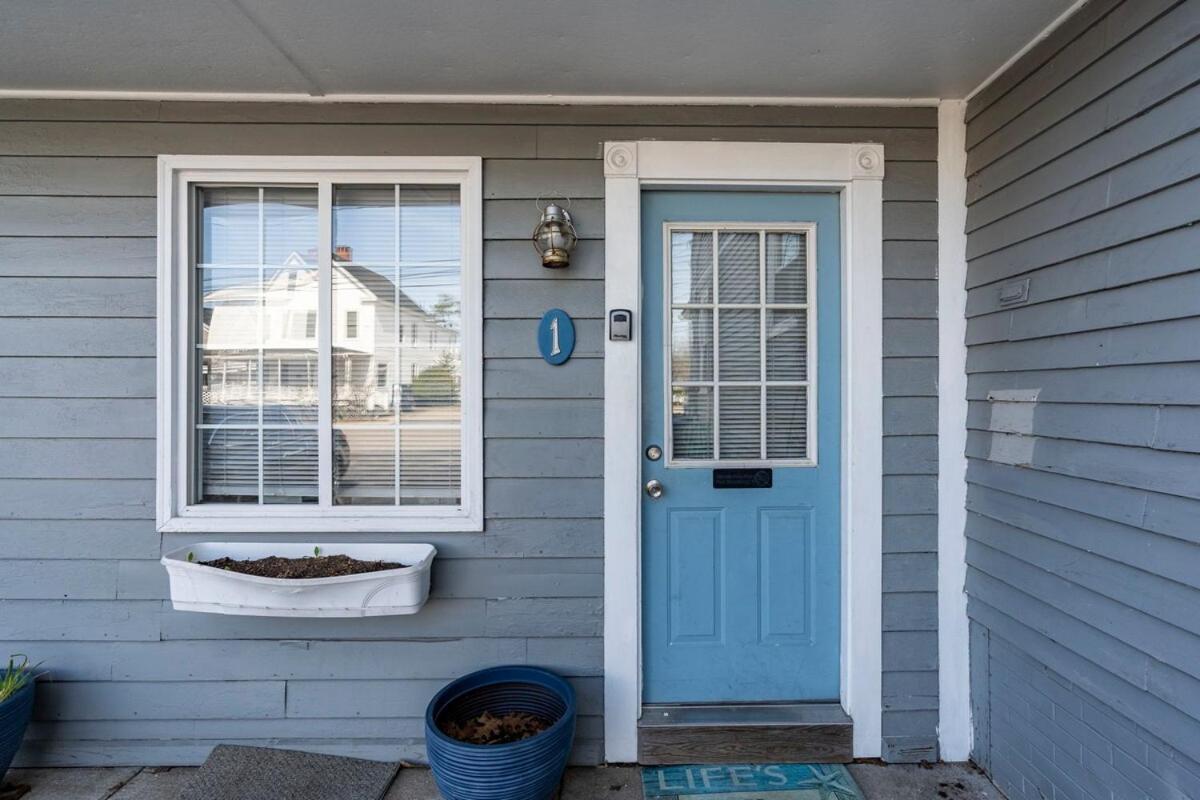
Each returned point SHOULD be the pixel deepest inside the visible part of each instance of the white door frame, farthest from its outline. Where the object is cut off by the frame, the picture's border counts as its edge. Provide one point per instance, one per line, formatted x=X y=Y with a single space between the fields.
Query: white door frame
x=855 y=171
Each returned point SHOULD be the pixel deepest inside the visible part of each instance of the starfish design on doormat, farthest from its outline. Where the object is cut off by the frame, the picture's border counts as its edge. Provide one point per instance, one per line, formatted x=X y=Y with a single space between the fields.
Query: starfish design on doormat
x=829 y=782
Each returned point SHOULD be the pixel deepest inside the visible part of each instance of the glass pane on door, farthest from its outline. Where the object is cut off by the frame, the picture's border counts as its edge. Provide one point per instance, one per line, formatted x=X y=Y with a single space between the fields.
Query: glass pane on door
x=741 y=340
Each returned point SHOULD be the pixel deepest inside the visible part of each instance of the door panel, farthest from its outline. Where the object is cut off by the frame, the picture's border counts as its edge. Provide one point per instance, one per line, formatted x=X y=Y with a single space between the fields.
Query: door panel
x=741 y=354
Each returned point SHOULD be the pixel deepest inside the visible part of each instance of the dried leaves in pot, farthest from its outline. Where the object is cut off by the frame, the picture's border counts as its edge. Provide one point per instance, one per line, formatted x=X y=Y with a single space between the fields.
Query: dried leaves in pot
x=489 y=728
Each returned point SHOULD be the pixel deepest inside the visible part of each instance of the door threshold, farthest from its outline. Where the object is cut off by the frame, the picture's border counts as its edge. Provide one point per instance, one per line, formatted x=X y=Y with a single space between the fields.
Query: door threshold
x=723 y=733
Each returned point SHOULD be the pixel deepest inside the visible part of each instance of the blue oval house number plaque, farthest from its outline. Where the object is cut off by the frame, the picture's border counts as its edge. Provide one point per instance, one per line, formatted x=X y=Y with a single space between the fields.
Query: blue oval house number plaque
x=556 y=336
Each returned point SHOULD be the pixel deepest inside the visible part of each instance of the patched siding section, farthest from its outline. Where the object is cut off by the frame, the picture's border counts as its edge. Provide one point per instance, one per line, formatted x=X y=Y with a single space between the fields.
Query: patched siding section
x=1084 y=457
x=80 y=583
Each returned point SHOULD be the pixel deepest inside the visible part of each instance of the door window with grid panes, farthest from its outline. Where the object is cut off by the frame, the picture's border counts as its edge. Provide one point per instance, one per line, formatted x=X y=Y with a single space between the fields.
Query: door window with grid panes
x=742 y=337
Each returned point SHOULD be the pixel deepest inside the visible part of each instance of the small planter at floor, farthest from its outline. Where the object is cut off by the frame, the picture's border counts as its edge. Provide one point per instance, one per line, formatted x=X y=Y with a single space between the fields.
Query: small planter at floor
x=529 y=769
x=14 y=718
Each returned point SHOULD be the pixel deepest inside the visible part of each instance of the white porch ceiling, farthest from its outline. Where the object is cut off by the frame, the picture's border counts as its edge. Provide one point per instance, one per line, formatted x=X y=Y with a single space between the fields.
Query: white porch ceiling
x=699 y=48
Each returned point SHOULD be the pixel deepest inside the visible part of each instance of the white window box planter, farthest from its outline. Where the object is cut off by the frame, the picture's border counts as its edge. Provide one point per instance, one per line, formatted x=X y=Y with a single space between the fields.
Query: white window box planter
x=195 y=587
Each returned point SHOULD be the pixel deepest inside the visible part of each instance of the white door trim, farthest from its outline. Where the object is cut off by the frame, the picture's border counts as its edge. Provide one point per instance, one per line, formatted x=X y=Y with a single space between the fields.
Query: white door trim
x=855 y=171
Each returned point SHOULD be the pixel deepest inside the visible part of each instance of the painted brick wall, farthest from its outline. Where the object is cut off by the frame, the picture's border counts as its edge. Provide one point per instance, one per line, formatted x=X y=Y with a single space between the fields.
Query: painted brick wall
x=1084 y=472
x=80 y=584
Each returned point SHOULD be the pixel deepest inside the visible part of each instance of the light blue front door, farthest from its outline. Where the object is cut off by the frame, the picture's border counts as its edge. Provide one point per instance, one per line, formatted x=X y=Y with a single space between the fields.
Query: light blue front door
x=741 y=388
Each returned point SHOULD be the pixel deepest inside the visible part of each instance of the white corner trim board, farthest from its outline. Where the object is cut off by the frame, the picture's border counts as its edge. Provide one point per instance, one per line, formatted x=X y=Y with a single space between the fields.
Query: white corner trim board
x=954 y=694
x=855 y=171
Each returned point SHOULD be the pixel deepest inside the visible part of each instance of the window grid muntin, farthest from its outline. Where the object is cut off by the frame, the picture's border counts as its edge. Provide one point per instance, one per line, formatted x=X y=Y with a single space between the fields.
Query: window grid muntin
x=191 y=471
x=808 y=231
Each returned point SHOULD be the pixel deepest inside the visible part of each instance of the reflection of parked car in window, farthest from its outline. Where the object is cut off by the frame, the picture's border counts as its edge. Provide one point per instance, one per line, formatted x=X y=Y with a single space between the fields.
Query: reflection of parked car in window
x=229 y=454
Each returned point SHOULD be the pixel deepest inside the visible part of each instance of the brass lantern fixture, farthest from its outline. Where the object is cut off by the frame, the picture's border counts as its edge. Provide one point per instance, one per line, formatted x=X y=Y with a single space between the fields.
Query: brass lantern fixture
x=554 y=237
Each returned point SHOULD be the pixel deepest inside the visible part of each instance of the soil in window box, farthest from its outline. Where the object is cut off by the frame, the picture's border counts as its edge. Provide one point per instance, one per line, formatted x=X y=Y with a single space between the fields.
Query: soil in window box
x=490 y=729
x=308 y=567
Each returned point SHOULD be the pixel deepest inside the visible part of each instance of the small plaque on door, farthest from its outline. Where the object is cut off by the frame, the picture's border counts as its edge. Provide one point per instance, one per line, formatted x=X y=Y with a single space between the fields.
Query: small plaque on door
x=743 y=478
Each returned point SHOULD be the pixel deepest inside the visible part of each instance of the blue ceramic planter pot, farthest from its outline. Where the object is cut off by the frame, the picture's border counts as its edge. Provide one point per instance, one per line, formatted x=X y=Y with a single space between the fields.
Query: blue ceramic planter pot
x=530 y=769
x=14 y=718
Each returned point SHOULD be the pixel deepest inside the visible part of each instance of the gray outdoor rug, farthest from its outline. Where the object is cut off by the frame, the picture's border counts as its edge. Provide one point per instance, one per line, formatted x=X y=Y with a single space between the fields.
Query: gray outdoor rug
x=261 y=773
x=750 y=782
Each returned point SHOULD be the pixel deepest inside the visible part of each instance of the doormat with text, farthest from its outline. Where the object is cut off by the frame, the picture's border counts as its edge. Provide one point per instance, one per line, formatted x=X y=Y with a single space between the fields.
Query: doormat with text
x=750 y=782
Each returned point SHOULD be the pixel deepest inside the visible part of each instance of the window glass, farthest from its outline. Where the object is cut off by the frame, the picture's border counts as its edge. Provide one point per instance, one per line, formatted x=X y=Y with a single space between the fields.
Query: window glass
x=397 y=274
x=739 y=351
x=255 y=437
x=389 y=332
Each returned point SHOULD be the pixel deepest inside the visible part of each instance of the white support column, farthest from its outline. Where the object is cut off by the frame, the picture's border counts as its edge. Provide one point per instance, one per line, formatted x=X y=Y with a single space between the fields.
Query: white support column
x=954 y=694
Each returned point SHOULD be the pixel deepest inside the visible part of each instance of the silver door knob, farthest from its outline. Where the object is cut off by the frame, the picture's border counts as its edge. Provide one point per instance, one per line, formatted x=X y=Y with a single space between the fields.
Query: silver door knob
x=654 y=489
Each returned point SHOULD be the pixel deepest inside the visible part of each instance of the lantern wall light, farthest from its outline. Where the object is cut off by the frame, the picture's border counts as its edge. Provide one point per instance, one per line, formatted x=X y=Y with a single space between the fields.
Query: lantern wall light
x=554 y=236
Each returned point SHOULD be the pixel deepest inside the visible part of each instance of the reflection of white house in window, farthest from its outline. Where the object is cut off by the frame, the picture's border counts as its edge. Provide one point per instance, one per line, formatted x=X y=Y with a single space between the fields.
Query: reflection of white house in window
x=361 y=349
x=396 y=408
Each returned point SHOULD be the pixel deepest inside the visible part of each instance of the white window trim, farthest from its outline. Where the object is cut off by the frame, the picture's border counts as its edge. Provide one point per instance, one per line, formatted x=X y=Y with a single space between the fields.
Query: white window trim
x=175 y=174
x=810 y=321
x=855 y=171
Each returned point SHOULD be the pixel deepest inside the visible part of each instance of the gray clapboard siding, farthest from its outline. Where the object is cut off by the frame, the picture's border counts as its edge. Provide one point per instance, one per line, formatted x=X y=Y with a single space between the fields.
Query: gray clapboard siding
x=1151 y=343
x=909 y=338
x=107 y=177
x=510 y=258
x=505 y=538
x=69 y=257
x=548 y=418
x=511 y=338
x=43 y=539
x=76 y=418
x=915 y=260
x=514 y=219
x=521 y=299
x=152 y=138
x=910 y=611
x=55 y=336
x=77 y=458
x=79 y=620
x=543 y=458
x=533 y=378
x=77 y=305
x=508 y=178
x=1130 y=425
x=1157 y=169
x=59 y=579
x=901 y=144
x=1128 y=49
x=77 y=297
x=76 y=216
x=76 y=377
x=337 y=728
x=1083 y=147
x=23 y=498
x=1082 y=181
x=1167 y=254
x=909 y=533
x=375 y=698
x=910 y=377
x=183 y=700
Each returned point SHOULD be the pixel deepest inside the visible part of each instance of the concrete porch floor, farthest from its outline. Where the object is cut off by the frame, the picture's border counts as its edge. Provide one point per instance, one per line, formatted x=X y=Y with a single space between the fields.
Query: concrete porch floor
x=878 y=782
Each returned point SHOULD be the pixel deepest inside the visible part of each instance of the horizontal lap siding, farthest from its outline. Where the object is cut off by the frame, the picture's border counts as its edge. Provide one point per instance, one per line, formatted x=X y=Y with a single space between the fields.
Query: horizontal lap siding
x=1084 y=457
x=80 y=584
